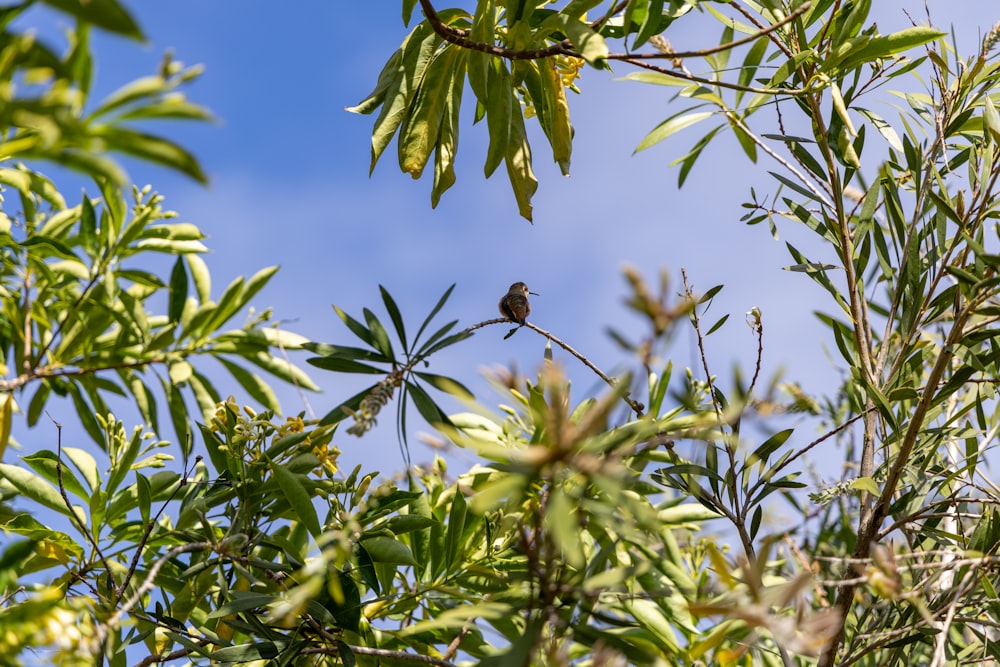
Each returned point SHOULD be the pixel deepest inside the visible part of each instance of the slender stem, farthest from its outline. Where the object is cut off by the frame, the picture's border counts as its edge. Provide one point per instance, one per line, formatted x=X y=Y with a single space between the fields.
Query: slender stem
x=77 y=521
x=637 y=407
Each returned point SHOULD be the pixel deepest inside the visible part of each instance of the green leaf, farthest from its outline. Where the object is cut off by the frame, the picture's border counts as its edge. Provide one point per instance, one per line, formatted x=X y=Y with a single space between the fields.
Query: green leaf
x=866 y=484
x=419 y=130
x=297 y=496
x=672 y=125
x=587 y=43
x=46 y=464
x=254 y=385
x=86 y=464
x=260 y=650
x=499 y=109
x=861 y=51
x=6 y=412
x=483 y=31
x=769 y=446
x=178 y=415
x=384 y=549
x=346 y=352
x=651 y=25
x=36 y=489
x=447 y=385
x=556 y=116
x=356 y=327
x=380 y=337
x=152 y=148
x=518 y=161
x=719 y=323
x=563 y=523
x=883 y=127
x=456 y=529
x=178 y=290
x=991 y=119
x=394 y=315
x=446 y=146
x=339 y=365
x=283 y=369
x=201 y=276
x=434 y=311
x=426 y=406
x=107 y=14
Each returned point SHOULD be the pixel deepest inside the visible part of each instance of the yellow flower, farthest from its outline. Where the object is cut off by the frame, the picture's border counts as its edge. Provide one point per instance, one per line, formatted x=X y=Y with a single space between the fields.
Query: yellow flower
x=291 y=425
x=327 y=458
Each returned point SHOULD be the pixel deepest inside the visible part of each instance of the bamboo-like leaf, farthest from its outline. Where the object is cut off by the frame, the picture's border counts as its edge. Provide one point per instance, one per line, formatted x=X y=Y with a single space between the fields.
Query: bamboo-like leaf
x=394 y=315
x=589 y=44
x=178 y=290
x=672 y=125
x=447 y=385
x=200 y=275
x=253 y=384
x=651 y=25
x=434 y=311
x=426 y=406
x=107 y=14
x=557 y=127
x=499 y=109
x=153 y=148
x=241 y=653
x=356 y=327
x=446 y=146
x=46 y=464
x=298 y=497
x=178 y=415
x=991 y=119
x=563 y=522
x=483 y=31
x=380 y=337
x=346 y=352
x=86 y=464
x=430 y=347
x=36 y=489
x=418 y=133
x=456 y=528
x=883 y=127
x=384 y=549
x=283 y=369
x=518 y=161
x=884 y=47
x=6 y=412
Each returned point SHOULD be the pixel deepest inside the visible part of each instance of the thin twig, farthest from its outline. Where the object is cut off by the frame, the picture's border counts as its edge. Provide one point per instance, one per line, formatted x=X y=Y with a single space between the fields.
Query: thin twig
x=175 y=655
x=381 y=653
x=25 y=378
x=147 y=585
x=153 y=522
x=758 y=328
x=686 y=76
x=799 y=11
x=787 y=462
x=77 y=521
x=460 y=37
x=635 y=405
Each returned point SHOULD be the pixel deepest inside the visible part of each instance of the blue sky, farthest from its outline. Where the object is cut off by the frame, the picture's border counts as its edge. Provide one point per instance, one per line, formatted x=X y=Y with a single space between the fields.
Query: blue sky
x=290 y=186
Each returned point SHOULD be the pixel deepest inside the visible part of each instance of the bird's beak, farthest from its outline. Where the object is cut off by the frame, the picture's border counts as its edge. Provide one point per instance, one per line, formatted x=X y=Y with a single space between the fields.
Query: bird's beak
x=535 y=293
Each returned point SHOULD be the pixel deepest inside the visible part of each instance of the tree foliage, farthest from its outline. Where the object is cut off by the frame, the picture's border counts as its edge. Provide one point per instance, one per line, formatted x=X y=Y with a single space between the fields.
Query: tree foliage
x=636 y=526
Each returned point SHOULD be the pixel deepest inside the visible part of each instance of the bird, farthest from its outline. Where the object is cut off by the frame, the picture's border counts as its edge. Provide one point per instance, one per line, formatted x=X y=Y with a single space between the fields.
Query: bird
x=514 y=304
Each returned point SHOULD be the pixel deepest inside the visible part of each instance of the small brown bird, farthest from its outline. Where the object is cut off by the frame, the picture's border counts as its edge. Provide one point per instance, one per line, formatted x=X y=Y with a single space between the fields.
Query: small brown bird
x=514 y=304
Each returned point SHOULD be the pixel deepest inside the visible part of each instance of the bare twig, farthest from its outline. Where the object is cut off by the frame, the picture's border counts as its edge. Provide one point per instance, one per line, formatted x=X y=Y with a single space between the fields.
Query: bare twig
x=153 y=522
x=147 y=585
x=637 y=407
x=77 y=521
